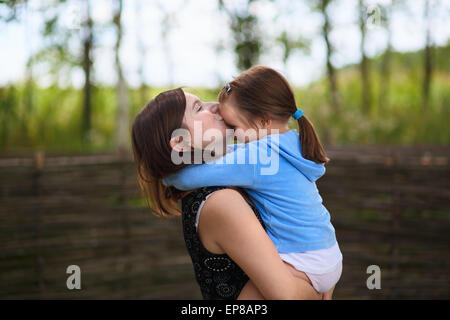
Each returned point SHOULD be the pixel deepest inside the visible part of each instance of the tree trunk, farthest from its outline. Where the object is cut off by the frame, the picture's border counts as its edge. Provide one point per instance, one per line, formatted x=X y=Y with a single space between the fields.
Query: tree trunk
x=246 y=34
x=143 y=89
x=386 y=65
x=428 y=66
x=122 y=90
x=87 y=67
x=29 y=84
x=331 y=72
x=366 y=98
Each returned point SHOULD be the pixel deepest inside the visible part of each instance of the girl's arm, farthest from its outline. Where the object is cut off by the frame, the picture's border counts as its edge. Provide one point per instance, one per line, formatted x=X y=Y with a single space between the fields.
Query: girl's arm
x=236 y=168
x=228 y=222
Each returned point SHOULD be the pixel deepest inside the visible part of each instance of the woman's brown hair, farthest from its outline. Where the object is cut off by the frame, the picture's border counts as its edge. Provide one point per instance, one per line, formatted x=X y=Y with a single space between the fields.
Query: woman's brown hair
x=151 y=133
x=261 y=92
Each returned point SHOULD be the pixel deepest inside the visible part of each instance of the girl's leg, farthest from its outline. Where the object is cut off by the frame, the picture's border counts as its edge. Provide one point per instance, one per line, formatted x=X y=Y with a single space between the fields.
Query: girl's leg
x=304 y=276
x=328 y=295
x=296 y=273
x=251 y=292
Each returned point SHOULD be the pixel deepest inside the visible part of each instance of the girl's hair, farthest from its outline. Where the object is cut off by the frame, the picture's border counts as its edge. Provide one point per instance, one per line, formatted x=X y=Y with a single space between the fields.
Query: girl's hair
x=263 y=92
x=151 y=133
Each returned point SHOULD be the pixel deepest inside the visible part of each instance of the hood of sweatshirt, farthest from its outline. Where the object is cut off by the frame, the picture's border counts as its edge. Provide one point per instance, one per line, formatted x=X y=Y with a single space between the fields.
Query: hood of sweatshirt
x=289 y=147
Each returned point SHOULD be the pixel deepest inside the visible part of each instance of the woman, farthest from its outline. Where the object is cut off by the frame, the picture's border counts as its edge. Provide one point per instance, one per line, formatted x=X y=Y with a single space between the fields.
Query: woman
x=230 y=245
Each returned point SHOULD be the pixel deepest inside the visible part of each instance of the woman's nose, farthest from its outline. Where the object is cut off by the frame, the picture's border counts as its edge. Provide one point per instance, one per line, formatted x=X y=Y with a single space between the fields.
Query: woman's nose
x=213 y=107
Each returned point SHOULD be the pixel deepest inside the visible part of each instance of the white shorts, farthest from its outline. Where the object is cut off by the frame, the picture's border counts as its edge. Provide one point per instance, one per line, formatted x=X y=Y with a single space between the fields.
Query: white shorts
x=323 y=267
x=324 y=282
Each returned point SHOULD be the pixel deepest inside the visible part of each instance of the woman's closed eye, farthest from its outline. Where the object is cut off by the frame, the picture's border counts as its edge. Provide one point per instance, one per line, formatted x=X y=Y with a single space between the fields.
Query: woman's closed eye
x=197 y=105
x=229 y=125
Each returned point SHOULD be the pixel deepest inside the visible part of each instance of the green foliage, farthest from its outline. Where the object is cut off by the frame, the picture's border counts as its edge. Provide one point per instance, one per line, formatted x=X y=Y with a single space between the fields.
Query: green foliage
x=289 y=45
x=52 y=121
x=400 y=122
x=54 y=125
x=246 y=34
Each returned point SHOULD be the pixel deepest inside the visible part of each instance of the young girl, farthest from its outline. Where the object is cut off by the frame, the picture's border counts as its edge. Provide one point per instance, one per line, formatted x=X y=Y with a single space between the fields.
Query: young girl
x=281 y=185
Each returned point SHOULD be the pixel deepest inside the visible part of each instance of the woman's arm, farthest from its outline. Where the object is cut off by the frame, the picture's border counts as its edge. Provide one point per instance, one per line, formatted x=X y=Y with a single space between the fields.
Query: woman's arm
x=228 y=225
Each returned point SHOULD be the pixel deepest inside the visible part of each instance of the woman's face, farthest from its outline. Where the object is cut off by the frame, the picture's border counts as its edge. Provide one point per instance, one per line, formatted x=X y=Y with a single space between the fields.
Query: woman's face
x=203 y=117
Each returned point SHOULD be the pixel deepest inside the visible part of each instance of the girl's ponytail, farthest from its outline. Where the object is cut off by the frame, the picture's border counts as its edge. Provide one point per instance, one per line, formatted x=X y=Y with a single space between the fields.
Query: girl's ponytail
x=312 y=149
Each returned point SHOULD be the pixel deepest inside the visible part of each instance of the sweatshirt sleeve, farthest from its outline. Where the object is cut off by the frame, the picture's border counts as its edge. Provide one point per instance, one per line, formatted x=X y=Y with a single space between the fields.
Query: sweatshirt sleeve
x=236 y=168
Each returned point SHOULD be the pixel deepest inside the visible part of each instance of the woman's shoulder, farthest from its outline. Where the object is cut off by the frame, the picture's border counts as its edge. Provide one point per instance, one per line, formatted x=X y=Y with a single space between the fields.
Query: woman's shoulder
x=192 y=201
x=228 y=204
x=218 y=202
x=200 y=194
x=221 y=201
x=215 y=197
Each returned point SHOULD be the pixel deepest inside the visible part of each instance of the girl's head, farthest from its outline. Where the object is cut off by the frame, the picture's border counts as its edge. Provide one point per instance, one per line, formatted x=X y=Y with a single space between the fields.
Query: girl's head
x=261 y=98
x=153 y=141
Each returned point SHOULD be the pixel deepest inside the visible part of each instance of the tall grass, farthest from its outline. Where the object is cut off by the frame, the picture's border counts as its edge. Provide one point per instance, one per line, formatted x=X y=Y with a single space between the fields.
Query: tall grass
x=401 y=121
x=49 y=119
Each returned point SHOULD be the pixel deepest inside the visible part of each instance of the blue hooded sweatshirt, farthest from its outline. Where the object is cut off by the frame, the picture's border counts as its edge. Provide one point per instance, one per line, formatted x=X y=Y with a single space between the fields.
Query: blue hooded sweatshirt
x=280 y=182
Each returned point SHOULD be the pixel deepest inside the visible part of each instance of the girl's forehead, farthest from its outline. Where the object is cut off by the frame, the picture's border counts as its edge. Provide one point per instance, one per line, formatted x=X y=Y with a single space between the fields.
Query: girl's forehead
x=230 y=112
x=224 y=108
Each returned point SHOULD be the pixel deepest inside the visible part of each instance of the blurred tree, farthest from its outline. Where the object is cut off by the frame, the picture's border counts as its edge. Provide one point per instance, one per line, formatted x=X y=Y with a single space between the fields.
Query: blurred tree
x=13 y=8
x=143 y=88
x=289 y=45
x=246 y=35
x=322 y=7
x=386 y=61
x=8 y=113
x=167 y=25
x=428 y=58
x=88 y=39
x=366 y=95
x=29 y=84
x=58 y=54
x=122 y=89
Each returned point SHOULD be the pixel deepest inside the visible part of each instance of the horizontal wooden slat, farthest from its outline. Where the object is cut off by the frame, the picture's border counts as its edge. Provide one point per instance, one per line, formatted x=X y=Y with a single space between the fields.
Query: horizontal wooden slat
x=390 y=206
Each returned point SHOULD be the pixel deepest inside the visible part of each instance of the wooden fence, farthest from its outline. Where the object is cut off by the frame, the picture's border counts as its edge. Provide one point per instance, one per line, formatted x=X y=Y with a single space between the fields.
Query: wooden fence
x=390 y=207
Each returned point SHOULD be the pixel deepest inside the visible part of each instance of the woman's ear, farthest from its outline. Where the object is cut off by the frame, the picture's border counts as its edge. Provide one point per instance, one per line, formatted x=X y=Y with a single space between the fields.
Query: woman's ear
x=178 y=144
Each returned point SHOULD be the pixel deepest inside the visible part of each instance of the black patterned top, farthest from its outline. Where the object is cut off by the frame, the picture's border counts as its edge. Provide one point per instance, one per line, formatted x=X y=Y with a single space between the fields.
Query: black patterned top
x=218 y=276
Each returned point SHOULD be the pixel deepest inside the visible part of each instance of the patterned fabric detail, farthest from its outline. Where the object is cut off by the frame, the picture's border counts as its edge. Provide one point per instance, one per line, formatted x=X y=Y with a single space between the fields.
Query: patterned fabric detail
x=219 y=277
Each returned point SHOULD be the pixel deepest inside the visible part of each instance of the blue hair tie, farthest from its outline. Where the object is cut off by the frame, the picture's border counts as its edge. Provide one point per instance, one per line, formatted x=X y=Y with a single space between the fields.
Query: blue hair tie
x=297 y=114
